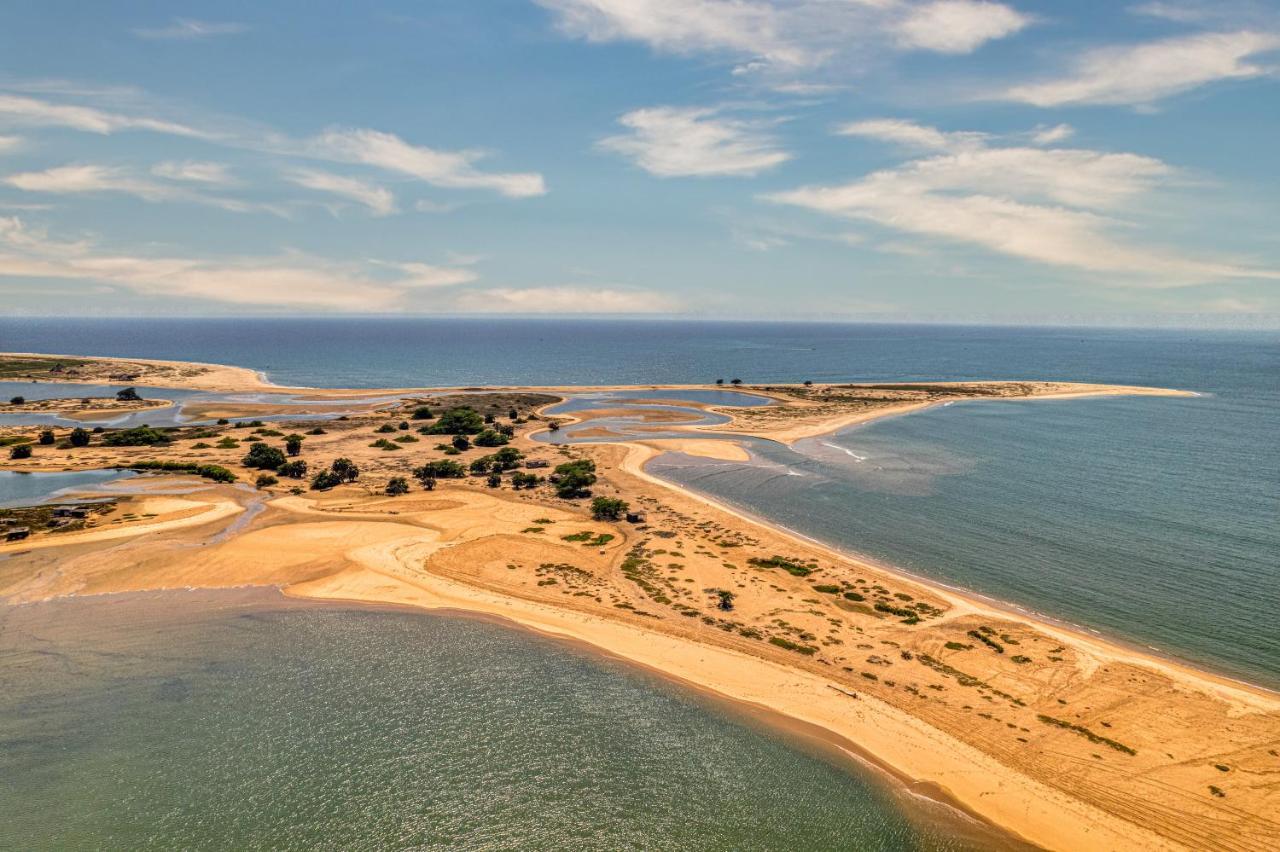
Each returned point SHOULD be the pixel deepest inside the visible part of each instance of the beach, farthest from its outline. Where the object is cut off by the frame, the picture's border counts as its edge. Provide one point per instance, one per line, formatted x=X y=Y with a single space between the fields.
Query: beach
x=1082 y=743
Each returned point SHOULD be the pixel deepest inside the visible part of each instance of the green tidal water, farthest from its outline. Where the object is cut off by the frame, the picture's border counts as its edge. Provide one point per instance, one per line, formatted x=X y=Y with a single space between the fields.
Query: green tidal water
x=243 y=720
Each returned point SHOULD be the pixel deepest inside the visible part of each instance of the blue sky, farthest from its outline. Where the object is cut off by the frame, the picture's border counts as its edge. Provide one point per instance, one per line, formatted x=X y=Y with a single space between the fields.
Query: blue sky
x=860 y=159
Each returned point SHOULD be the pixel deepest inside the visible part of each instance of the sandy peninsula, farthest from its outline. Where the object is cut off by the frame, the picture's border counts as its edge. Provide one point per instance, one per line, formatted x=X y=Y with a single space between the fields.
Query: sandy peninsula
x=1063 y=739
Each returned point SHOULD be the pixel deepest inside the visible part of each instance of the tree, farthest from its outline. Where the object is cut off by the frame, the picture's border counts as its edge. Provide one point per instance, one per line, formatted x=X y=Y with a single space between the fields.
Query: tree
x=719 y=381
x=17 y=400
x=263 y=457
x=462 y=420
x=293 y=444
x=128 y=395
x=808 y=383
x=46 y=437
x=293 y=469
x=489 y=418
x=608 y=508
x=441 y=469
x=264 y=480
x=346 y=469
x=520 y=479
x=506 y=458
x=481 y=465
x=396 y=486
x=494 y=480
x=428 y=483
x=422 y=413
x=20 y=451
x=461 y=443
x=385 y=428
x=79 y=437
x=554 y=426
x=725 y=599
x=324 y=480
x=735 y=382
x=513 y=415
x=491 y=438
x=575 y=478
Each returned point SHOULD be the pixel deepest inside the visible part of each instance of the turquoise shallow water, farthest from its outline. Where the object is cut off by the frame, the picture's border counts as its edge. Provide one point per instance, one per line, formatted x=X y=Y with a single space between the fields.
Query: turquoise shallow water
x=241 y=720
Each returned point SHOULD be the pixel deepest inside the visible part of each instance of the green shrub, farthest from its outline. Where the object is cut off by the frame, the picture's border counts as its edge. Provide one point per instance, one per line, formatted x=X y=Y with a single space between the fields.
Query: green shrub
x=264 y=480
x=608 y=508
x=791 y=566
x=139 y=436
x=79 y=437
x=396 y=486
x=827 y=589
x=20 y=451
x=263 y=457
x=462 y=420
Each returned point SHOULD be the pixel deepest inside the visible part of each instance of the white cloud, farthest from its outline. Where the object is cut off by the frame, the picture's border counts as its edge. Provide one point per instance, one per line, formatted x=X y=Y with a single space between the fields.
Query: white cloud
x=91 y=179
x=427 y=276
x=958 y=26
x=186 y=29
x=791 y=35
x=1052 y=135
x=452 y=169
x=378 y=199
x=684 y=26
x=1145 y=73
x=566 y=300
x=194 y=171
x=1051 y=206
x=35 y=112
x=911 y=135
x=9 y=143
x=692 y=141
x=292 y=279
x=87 y=178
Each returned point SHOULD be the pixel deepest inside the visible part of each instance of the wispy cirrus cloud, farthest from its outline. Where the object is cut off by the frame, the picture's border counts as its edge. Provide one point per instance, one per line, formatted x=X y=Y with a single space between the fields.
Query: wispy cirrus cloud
x=451 y=169
x=1145 y=73
x=39 y=112
x=195 y=171
x=95 y=179
x=909 y=134
x=695 y=142
x=289 y=280
x=793 y=35
x=566 y=300
x=377 y=199
x=9 y=143
x=188 y=29
x=1055 y=206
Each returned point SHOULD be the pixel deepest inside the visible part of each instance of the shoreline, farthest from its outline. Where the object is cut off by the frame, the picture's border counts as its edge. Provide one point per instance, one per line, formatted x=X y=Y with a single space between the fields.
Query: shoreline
x=840 y=746
x=972 y=599
x=391 y=567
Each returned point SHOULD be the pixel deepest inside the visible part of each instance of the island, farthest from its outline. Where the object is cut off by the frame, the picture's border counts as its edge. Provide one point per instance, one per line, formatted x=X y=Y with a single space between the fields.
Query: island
x=452 y=499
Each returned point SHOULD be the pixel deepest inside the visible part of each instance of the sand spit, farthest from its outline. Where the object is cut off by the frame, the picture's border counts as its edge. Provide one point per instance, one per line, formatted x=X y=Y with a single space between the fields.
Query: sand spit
x=1066 y=740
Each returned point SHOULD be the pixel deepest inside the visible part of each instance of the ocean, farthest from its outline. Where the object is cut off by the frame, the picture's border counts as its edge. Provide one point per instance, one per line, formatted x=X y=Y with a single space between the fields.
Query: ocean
x=243 y=720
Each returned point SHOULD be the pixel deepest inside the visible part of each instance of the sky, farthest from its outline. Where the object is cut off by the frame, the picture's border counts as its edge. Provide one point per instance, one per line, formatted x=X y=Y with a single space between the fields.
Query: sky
x=793 y=159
